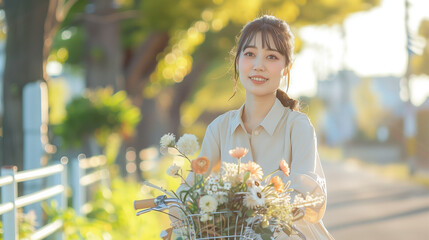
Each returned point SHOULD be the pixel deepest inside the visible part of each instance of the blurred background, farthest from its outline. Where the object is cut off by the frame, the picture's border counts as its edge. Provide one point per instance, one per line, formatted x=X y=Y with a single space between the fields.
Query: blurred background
x=113 y=76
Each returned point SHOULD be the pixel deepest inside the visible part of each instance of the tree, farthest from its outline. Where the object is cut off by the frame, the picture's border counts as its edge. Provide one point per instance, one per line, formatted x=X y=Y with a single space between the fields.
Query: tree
x=31 y=27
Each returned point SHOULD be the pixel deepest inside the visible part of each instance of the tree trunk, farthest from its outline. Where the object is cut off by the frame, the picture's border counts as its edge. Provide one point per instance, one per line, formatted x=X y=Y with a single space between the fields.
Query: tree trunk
x=142 y=64
x=182 y=92
x=103 y=54
x=24 y=64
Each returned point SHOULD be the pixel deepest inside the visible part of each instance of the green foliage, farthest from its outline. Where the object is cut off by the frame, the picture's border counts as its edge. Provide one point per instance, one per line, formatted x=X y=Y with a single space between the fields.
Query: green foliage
x=369 y=113
x=26 y=222
x=100 y=114
x=111 y=215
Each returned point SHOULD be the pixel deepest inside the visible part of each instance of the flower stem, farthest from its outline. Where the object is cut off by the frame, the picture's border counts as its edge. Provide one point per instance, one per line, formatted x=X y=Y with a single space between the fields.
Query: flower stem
x=270 y=174
x=182 y=154
x=184 y=180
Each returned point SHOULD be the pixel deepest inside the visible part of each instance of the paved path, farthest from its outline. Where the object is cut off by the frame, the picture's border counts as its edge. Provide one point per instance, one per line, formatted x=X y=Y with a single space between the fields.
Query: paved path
x=363 y=205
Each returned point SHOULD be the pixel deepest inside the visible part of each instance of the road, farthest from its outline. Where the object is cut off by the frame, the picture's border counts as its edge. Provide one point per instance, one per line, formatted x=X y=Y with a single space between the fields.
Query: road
x=364 y=205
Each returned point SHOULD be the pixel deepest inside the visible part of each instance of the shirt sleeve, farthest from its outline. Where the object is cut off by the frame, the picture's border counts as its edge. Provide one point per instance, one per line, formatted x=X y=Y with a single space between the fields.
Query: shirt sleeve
x=210 y=147
x=306 y=172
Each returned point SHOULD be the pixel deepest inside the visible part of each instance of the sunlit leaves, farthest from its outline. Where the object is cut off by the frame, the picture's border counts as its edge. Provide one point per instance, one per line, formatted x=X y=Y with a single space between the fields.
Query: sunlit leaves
x=369 y=112
x=420 y=63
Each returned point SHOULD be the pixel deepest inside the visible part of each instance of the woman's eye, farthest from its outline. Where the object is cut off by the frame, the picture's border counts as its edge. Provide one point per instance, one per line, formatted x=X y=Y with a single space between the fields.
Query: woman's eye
x=273 y=57
x=249 y=54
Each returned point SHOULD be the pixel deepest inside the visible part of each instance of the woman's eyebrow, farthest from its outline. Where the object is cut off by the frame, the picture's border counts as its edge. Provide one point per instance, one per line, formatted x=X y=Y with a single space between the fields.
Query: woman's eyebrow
x=249 y=46
x=269 y=49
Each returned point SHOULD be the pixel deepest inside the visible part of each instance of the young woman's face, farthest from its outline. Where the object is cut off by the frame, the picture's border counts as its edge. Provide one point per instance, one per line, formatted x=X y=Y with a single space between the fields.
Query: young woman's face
x=261 y=69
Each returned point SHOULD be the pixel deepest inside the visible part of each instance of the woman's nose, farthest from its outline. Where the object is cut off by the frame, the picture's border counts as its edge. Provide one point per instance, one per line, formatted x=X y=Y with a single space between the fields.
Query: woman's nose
x=258 y=64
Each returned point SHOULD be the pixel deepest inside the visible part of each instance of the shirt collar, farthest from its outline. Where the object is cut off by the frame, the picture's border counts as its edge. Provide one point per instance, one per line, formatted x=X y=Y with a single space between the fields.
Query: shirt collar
x=236 y=120
x=273 y=117
x=270 y=121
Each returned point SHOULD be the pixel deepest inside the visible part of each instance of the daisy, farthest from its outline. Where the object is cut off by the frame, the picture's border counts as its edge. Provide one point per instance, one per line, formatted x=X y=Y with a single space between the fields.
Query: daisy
x=252 y=181
x=254 y=198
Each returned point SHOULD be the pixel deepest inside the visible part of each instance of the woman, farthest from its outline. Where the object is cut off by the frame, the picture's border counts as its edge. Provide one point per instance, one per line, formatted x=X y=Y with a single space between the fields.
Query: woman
x=269 y=123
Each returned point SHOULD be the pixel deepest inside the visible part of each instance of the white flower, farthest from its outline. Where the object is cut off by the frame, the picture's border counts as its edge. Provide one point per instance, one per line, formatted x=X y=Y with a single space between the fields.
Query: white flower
x=211 y=181
x=229 y=173
x=173 y=170
x=227 y=185
x=205 y=217
x=248 y=232
x=168 y=140
x=254 y=198
x=188 y=144
x=208 y=204
x=221 y=197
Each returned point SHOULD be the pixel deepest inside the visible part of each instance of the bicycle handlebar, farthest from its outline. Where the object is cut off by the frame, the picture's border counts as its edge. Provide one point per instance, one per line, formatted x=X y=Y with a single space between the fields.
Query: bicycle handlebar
x=145 y=203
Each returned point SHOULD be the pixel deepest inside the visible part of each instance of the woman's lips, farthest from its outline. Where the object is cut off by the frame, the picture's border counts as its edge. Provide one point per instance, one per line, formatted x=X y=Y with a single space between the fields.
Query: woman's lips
x=258 y=80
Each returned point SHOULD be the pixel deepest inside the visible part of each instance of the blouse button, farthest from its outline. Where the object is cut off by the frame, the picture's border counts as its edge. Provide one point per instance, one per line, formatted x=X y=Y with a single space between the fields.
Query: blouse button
x=256 y=132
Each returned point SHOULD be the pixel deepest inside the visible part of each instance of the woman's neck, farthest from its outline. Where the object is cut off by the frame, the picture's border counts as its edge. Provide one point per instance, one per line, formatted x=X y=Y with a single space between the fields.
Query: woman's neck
x=255 y=110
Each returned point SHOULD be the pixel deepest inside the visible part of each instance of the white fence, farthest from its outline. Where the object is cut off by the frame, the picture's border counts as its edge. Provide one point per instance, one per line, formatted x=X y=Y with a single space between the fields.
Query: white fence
x=86 y=171
x=80 y=179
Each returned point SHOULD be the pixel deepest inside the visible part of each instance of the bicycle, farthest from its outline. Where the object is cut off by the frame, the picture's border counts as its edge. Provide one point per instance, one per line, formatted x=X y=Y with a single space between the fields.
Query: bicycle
x=222 y=225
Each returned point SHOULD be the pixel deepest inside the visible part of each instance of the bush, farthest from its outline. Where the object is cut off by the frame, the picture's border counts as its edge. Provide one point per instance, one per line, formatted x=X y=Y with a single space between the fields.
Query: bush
x=100 y=114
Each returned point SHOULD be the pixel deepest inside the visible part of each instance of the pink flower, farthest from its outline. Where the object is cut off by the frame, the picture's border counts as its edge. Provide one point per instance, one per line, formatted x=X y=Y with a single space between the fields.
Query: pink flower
x=284 y=167
x=254 y=169
x=238 y=152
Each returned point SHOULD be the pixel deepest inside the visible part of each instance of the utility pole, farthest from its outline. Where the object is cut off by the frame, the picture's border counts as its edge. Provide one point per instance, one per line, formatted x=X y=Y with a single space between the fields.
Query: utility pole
x=410 y=126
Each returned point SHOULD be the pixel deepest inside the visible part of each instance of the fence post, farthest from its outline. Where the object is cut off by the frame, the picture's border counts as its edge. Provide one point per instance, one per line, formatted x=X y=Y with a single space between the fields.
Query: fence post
x=35 y=126
x=77 y=189
x=9 y=194
x=61 y=199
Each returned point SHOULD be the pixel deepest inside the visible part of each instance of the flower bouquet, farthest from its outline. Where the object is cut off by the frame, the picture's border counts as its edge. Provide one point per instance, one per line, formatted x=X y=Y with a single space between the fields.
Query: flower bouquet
x=238 y=202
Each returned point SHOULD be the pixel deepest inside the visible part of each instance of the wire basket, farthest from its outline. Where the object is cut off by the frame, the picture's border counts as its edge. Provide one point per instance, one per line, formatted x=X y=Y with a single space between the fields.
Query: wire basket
x=221 y=225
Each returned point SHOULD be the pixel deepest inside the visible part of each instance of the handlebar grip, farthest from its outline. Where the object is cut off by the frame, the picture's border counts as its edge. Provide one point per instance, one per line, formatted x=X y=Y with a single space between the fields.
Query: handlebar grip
x=166 y=234
x=146 y=203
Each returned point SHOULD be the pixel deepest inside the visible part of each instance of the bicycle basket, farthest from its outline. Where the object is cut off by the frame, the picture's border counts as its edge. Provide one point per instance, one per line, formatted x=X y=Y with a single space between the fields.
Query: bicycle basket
x=220 y=225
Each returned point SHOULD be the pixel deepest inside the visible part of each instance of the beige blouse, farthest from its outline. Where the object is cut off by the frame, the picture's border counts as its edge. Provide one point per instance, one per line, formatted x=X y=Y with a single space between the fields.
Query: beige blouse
x=283 y=134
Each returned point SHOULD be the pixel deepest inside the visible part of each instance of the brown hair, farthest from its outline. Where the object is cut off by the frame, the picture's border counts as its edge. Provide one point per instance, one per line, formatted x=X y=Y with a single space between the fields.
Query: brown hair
x=283 y=40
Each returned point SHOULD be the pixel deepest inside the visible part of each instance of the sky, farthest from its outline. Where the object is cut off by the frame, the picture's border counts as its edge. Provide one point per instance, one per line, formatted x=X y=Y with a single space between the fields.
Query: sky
x=370 y=43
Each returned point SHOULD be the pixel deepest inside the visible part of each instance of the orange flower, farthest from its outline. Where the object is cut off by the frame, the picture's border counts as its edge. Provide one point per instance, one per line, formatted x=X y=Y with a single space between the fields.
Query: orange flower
x=238 y=152
x=254 y=169
x=284 y=167
x=200 y=165
x=278 y=183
